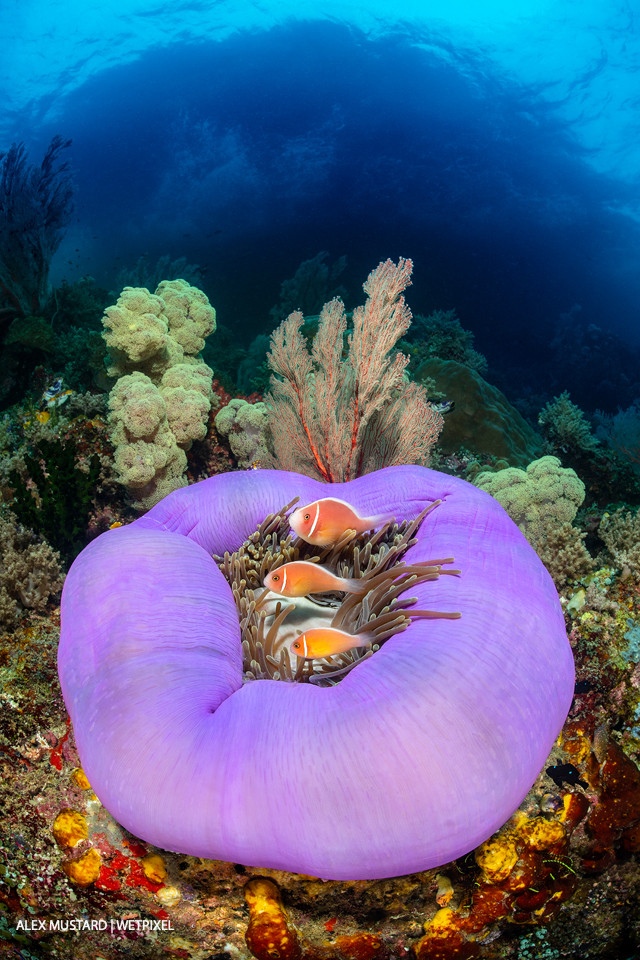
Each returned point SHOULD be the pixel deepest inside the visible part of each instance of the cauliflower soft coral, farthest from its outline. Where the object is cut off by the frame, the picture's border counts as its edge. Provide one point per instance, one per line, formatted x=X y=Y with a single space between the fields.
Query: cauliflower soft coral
x=546 y=491
x=245 y=425
x=161 y=401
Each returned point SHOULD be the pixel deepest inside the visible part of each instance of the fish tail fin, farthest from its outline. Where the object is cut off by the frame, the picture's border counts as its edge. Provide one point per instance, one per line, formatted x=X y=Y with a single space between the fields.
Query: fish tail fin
x=350 y=585
x=382 y=519
x=364 y=638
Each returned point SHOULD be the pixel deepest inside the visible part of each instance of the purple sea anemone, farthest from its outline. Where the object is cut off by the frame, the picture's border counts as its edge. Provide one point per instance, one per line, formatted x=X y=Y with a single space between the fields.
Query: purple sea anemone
x=415 y=757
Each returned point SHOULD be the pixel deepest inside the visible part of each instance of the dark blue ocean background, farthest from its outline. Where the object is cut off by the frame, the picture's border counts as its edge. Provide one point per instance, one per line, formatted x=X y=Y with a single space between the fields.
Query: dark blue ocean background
x=495 y=144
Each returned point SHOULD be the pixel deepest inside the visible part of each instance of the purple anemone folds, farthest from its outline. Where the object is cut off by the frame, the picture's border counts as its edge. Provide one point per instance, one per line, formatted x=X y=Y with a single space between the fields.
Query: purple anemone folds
x=418 y=755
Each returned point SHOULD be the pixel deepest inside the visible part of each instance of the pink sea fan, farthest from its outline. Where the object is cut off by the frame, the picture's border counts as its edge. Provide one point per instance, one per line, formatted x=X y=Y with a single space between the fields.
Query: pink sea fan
x=336 y=417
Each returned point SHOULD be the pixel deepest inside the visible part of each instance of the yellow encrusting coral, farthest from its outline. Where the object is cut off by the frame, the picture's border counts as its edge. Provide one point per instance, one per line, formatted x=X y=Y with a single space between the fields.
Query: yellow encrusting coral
x=540 y=834
x=80 y=778
x=70 y=828
x=85 y=870
x=496 y=858
x=154 y=868
x=524 y=877
x=270 y=934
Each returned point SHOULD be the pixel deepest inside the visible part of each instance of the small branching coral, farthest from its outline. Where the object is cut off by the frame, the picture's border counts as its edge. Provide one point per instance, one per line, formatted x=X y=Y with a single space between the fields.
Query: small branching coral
x=30 y=574
x=374 y=559
x=334 y=418
x=565 y=426
x=620 y=532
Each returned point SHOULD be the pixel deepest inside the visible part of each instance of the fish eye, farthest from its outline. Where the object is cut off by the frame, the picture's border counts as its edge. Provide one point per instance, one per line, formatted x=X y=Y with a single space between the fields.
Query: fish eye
x=307 y=516
x=275 y=577
x=296 y=645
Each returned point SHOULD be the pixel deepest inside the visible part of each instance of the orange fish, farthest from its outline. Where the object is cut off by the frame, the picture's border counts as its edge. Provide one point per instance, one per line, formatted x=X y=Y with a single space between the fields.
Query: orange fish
x=300 y=578
x=324 y=521
x=327 y=641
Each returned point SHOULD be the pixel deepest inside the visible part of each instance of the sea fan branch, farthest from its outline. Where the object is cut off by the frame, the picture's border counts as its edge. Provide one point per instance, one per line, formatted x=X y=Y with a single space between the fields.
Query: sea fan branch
x=335 y=416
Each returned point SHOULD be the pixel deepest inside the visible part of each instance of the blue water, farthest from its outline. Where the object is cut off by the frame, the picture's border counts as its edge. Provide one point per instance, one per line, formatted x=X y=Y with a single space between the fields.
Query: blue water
x=496 y=144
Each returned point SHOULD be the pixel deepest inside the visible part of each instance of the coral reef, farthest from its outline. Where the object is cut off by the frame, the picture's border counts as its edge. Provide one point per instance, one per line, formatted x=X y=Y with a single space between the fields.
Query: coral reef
x=62 y=447
x=150 y=333
x=74 y=314
x=33 y=332
x=621 y=431
x=560 y=876
x=161 y=401
x=544 y=500
x=482 y=420
x=562 y=550
x=335 y=419
x=186 y=702
x=65 y=338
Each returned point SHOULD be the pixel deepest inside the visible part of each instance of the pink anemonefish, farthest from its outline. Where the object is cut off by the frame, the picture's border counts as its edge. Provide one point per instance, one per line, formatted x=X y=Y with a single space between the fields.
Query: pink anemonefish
x=327 y=641
x=300 y=578
x=324 y=521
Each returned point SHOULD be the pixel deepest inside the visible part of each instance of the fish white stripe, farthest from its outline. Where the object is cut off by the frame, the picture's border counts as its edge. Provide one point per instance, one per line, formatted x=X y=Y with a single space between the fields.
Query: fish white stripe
x=284 y=580
x=311 y=532
x=304 y=646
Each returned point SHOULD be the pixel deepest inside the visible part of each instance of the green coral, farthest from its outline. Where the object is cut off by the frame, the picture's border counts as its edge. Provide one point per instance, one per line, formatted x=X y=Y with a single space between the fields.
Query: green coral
x=442 y=335
x=620 y=532
x=561 y=548
x=32 y=332
x=482 y=421
x=543 y=500
x=544 y=491
x=565 y=426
